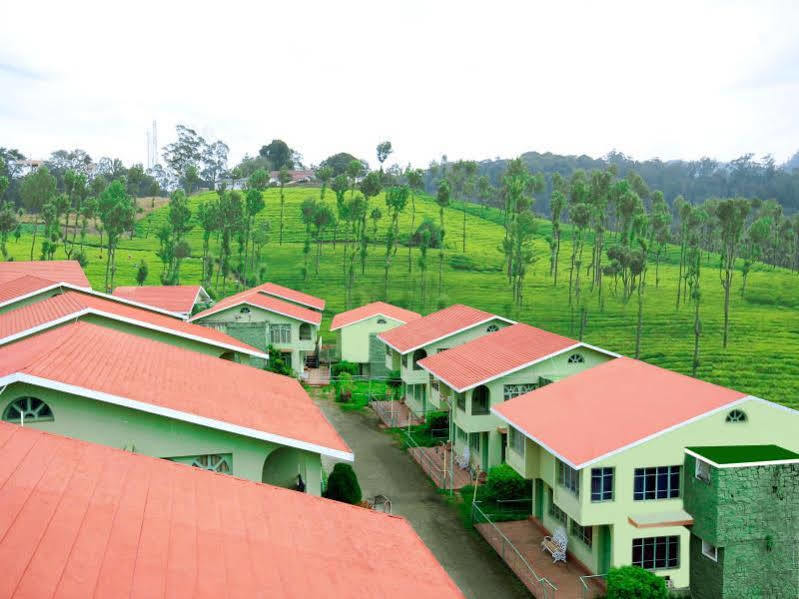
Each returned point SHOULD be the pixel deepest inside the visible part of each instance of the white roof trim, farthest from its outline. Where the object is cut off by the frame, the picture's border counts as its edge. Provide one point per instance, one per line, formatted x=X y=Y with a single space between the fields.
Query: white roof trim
x=176 y=414
x=521 y=367
x=394 y=318
x=25 y=296
x=214 y=310
x=741 y=464
x=296 y=301
x=437 y=339
x=642 y=440
x=146 y=325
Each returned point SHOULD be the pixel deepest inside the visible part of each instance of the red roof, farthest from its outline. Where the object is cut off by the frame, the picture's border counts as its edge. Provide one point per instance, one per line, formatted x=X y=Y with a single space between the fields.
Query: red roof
x=85 y=520
x=254 y=297
x=374 y=309
x=495 y=354
x=175 y=298
x=432 y=327
x=292 y=295
x=197 y=387
x=57 y=271
x=71 y=303
x=609 y=407
x=21 y=286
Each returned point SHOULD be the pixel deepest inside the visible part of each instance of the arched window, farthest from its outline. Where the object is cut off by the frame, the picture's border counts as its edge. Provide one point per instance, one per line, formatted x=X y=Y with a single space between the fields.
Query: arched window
x=381 y=321
x=576 y=359
x=492 y=328
x=736 y=416
x=481 y=400
x=305 y=332
x=27 y=409
x=419 y=354
x=244 y=310
x=215 y=462
x=229 y=355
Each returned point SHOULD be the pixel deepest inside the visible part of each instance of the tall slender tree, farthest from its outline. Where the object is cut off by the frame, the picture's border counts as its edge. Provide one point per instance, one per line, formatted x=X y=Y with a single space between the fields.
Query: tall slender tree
x=283 y=177
x=116 y=210
x=732 y=215
x=442 y=199
x=396 y=199
x=415 y=184
x=38 y=188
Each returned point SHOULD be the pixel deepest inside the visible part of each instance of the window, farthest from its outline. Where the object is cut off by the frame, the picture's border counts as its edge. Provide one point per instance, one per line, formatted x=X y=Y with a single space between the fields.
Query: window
x=215 y=462
x=492 y=328
x=280 y=333
x=656 y=553
x=516 y=441
x=511 y=391
x=576 y=359
x=419 y=354
x=244 y=310
x=736 y=416
x=461 y=434
x=461 y=400
x=480 y=400
x=305 y=332
x=662 y=482
x=474 y=442
x=584 y=533
x=710 y=551
x=27 y=409
x=602 y=484
x=542 y=382
x=554 y=511
x=381 y=321
x=702 y=470
x=405 y=361
x=569 y=478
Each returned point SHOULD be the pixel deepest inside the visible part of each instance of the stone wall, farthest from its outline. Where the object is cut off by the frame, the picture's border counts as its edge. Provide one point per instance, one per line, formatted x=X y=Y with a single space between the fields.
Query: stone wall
x=751 y=515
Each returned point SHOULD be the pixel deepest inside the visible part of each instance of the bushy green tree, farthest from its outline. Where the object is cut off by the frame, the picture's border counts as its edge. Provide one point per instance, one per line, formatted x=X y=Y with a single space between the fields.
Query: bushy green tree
x=631 y=582
x=116 y=210
x=342 y=485
x=38 y=188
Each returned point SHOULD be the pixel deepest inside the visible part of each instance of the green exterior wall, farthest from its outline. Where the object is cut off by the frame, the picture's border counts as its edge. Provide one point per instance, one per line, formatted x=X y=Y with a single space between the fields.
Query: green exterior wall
x=766 y=424
x=37 y=297
x=162 y=437
x=352 y=341
x=751 y=515
x=253 y=329
x=554 y=368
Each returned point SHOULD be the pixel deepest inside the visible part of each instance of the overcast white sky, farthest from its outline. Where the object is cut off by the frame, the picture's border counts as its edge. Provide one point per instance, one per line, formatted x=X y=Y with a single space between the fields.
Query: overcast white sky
x=467 y=79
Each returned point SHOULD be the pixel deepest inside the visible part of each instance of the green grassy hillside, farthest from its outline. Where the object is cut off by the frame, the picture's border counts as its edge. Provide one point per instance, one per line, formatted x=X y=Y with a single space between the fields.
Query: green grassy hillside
x=762 y=358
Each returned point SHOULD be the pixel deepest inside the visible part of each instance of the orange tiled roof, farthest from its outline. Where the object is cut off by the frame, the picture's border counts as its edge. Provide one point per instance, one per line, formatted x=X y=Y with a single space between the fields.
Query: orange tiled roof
x=57 y=271
x=172 y=381
x=292 y=295
x=432 y=327
x=255 y=297
x=349 y=317
x=495 y=354
x=85 y=520
x=71 y=303
x=175 y=298
x=606 y=408
x=21 y=286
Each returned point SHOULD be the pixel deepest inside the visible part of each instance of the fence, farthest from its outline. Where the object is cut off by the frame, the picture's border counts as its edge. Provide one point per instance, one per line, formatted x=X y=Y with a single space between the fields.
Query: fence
x=541 y=587
x=437 y=470
x=588 y=591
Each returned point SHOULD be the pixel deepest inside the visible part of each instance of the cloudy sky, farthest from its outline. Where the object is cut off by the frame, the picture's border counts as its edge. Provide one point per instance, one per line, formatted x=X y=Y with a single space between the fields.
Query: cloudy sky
x=467 y=79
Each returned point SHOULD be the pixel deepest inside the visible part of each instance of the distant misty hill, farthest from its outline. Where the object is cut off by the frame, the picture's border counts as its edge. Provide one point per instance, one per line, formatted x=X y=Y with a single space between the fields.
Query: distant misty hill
x=695 y=180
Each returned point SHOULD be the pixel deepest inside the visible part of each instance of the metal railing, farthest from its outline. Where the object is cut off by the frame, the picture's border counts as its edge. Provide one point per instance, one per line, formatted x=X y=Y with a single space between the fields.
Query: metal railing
x=588 y=592
x=541 y=587
x=439 y=473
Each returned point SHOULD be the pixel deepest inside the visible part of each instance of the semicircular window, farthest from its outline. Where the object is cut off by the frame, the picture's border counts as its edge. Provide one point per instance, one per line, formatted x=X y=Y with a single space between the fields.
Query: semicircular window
x=736 y=416
x=492 y=328
x=576 y=359
x=381 y=321
x=27 y=409
x=215 y=462
x=244 y=310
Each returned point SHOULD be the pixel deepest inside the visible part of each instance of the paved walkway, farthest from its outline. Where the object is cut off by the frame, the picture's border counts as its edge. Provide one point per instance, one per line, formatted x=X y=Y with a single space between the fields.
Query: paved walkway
x=382 y=467
x=318 y=377
x=394 y=413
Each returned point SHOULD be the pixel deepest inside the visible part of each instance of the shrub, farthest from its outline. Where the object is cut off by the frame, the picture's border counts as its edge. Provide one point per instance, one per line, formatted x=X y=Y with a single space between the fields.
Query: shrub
x=343 y=366
x=276 y=362
x=344 y=387
x=439 y=421
x=503 y=482
x=342 y=485
x=632 y=582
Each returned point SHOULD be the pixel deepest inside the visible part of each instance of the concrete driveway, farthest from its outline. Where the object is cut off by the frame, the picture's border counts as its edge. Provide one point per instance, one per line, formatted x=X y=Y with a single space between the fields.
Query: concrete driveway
x=384 y=468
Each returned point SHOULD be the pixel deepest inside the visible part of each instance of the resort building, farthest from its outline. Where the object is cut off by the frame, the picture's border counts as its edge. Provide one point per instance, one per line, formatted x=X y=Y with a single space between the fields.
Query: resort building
x=356 y=334
x=267 y=315
x=83 y=520
x=605 y=450
x=68 y=306
x=180 y=299
x=479 y=374
x=407 y=345
x=127 y=391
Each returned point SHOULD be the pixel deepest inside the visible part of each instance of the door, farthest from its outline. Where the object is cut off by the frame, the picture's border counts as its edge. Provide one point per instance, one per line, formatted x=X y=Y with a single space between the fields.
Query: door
x=539 y=499
x=484 y=451
x=604 y=549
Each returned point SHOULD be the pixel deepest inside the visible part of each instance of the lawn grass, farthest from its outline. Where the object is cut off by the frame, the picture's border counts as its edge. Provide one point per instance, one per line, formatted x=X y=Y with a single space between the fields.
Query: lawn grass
x=763 y=353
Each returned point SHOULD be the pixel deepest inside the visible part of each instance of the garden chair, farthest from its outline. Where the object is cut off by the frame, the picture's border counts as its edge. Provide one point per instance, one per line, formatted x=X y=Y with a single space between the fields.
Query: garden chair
x=556 y=545
x=463 y=460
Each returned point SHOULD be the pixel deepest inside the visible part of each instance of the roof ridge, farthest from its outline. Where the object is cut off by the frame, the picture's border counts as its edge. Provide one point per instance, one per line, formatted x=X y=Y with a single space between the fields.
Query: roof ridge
x=69 y=331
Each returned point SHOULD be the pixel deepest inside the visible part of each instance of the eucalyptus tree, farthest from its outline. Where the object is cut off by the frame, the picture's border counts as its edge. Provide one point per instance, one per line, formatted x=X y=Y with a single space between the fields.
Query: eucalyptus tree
x=692 y=221
x=462 y=178
x=253 y=204
x=580 y=216
x=208 y=215
x=323 y=218
x=523 y=229
x=415 y=184
x=732 y=215
x=38 y=188
x=754 y=246
x=339 y=185
x=324 y=174
x=283 y=177
x=8 y=218
x=660 y=225
x=557 y=204
x=179 y=219
x=384 y=150
x=307 y=210
x=231 y=216
x=519 y=187
x=371 y=185
x=396 y=200
x=683 y=211
x=442 y=199
x=117 y=211
x=76 y=190
x=355 y=214
x=375 y=215
x=600 y=190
